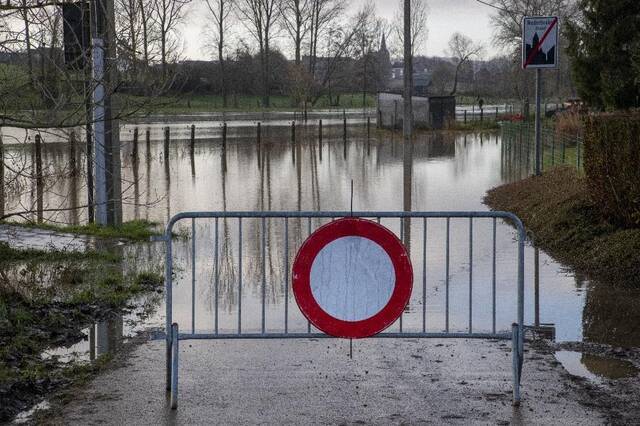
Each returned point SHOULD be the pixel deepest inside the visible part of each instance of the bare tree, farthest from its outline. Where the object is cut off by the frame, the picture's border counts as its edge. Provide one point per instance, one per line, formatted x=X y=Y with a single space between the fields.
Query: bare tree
x=296 y=20
x=419 y=29
x=324 y=14
x=462 y=49
x=369 y=34
x=260 y=18
x=168 y=14
x=221 y=13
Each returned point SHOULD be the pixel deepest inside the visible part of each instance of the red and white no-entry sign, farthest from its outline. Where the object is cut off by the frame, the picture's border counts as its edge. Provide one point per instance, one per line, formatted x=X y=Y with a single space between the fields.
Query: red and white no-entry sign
x=352 y=278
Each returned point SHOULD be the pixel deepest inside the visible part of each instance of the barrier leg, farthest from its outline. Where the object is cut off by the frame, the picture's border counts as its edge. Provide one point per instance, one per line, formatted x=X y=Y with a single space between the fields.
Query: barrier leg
x=174 y=366
x=516 y=364
x=168 y=357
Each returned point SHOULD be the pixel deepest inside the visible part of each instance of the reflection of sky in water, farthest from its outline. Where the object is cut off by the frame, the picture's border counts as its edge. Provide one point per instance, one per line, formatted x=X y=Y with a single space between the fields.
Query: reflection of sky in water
x=450 y=172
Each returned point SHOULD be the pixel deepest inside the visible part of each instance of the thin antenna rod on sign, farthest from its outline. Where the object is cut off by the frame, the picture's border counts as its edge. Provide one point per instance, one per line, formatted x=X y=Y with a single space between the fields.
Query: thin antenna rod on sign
x=351 y=197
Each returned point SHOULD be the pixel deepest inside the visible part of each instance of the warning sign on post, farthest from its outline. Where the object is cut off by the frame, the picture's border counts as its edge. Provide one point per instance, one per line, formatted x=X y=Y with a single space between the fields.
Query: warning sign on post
x=540 y=42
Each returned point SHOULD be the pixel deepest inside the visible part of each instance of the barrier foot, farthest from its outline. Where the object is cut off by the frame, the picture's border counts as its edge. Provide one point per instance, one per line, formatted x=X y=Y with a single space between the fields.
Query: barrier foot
x=174 y=366
x=517 y=365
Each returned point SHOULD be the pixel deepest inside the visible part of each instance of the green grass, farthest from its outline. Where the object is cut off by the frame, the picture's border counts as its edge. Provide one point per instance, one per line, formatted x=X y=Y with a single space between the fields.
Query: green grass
x=135 y=230
x=9 y=254
x=184 y=104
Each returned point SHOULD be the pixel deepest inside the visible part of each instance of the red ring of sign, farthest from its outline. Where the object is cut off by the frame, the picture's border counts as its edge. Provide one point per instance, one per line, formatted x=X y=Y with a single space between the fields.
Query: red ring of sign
x=349 y=227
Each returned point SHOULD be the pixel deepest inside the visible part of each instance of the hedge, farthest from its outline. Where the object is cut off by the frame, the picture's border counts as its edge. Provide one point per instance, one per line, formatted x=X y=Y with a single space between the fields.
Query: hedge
x=612 y=165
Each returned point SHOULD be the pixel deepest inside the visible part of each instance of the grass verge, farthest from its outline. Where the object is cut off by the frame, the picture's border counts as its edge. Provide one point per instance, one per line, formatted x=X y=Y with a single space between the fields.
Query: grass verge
x=135 y=230
x=557 y=210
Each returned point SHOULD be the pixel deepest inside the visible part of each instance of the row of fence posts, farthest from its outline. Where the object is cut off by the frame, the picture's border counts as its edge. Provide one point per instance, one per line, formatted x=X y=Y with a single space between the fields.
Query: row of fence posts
x=37 y=173
x=521 y=136
x=38 y=146
x=259 y=147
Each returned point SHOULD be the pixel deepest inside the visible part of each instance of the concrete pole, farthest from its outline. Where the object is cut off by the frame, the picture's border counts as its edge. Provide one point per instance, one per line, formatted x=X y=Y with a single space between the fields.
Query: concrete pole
x=108 y=185
x=99 y=130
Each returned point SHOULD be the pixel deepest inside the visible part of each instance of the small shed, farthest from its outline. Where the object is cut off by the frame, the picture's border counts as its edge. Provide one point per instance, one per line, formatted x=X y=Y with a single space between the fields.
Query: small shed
x=433 y=112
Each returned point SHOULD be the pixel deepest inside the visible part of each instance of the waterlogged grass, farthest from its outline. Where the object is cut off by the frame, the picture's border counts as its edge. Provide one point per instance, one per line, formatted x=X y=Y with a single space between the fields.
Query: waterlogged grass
x=557 y=209
x=46 y=305
x=135 y=230
x=9 y=254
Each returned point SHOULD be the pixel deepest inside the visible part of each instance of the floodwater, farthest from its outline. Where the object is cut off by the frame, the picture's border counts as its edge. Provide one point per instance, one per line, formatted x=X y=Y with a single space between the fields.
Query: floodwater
x=595 y=368
x=449 y=171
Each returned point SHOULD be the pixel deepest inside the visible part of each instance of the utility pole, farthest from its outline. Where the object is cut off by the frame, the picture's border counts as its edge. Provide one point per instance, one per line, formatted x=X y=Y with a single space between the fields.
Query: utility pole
x=407 y=127
x=106 y=138
x=407 y=124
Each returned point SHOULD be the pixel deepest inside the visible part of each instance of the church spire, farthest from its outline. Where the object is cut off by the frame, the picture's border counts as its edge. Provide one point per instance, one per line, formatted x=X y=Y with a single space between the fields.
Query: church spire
x=383 y=43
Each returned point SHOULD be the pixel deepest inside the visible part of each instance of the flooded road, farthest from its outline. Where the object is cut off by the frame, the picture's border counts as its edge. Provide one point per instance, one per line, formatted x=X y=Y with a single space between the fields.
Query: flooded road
x=449 y=171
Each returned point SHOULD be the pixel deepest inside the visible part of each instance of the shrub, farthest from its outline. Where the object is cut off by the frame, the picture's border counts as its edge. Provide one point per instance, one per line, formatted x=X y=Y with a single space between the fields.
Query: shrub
x=612 y=165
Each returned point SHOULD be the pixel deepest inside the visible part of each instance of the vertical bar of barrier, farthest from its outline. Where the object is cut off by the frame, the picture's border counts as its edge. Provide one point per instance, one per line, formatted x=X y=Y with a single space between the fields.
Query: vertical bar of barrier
x=470 y=275
x=309 y=233
x=239 y=275
x=424 y=275
x=447 y=279
x=493 y=280
x=401 y=239
x=193 y=275
x=216 y=278
x=175 y=333
x=286 y=275
x=168 y=291
x=264 y=274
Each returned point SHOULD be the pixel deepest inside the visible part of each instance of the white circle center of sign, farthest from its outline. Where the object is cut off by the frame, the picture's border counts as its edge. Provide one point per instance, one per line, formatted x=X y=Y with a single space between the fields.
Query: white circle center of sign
x=352 y=278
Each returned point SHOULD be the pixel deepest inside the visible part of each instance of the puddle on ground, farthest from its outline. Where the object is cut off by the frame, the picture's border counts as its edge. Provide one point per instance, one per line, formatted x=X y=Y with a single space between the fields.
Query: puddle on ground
x=595 y=368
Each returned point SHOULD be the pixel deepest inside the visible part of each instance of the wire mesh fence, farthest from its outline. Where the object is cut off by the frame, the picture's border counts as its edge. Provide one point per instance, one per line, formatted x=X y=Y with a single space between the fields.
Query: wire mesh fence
x=558 y=148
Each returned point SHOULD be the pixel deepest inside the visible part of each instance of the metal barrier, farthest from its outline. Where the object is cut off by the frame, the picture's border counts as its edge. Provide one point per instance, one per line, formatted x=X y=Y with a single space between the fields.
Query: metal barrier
x=173 y=336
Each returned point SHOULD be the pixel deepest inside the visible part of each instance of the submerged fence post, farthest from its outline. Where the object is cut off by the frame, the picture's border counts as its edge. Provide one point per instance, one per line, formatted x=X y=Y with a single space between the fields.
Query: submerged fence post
x=148 y=140
x=39 y=183
x=465 y=116
x=224 y=147
x=73 y=166
x=167 y=137
x=134 y=152
x=293 y=141
x=320 y=139
x=192 y=146
x=259 y=143
x=344 y=133
x=368 y=135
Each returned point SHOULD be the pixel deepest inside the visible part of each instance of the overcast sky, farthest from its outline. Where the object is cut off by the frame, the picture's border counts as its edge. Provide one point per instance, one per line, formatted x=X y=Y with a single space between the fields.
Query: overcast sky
x=445 y=18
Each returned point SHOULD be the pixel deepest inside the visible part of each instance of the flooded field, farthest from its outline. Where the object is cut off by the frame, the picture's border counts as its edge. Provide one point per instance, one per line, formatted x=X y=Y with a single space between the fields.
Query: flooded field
x=448 y=171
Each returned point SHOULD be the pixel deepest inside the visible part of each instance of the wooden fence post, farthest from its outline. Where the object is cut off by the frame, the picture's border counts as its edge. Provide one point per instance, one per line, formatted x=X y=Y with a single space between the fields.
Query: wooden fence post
x=39 y=180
